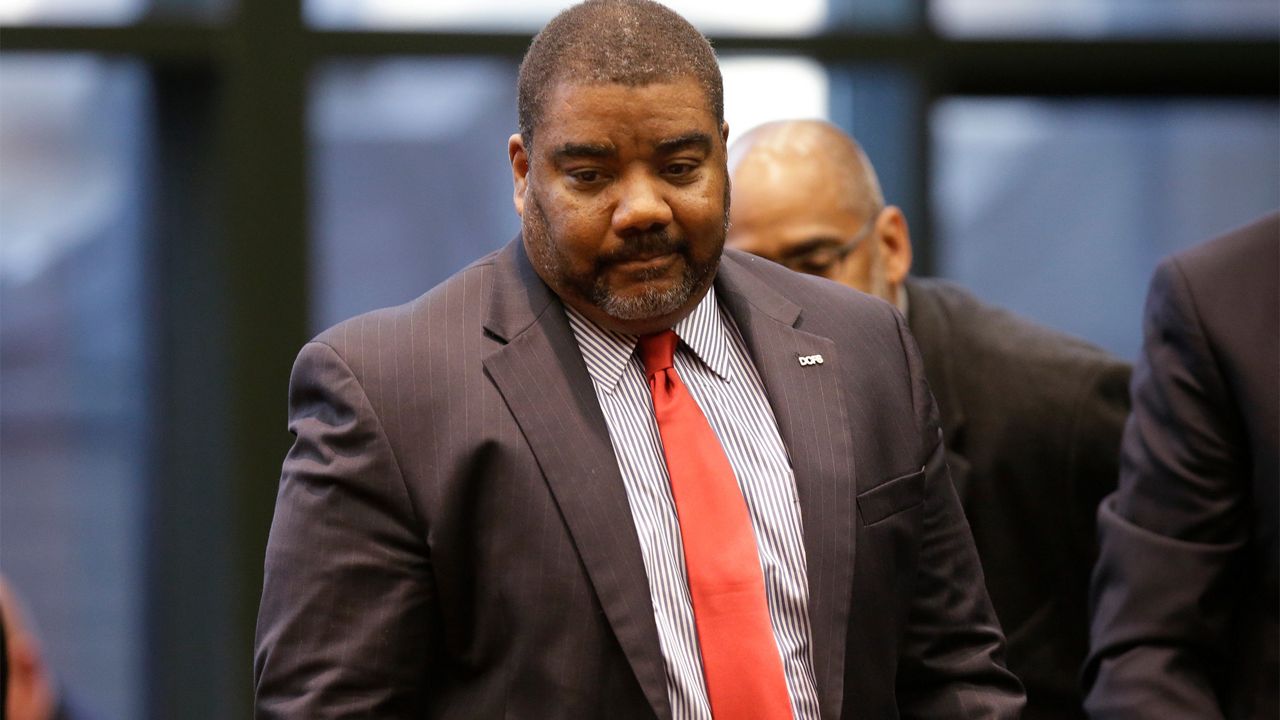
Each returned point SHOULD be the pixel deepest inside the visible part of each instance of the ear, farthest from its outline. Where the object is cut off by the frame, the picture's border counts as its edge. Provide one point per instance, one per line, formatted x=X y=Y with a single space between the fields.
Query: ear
x=519 y=155
x=724 y=132
x=895 y=245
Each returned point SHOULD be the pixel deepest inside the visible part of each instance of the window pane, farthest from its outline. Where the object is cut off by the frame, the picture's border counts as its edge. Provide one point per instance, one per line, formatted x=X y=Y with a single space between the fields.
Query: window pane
x=879 y=105
x=873 y=15
x=1060 y=209
x=765 y=17
x=107 y=12
x=68 y=12
x=1098 y=18
x=73 y=383
x=407 y=188
x=761 y=88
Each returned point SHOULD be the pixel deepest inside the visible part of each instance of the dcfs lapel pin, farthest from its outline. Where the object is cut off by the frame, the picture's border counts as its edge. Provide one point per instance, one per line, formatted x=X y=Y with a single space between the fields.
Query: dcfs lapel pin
x=807 y=360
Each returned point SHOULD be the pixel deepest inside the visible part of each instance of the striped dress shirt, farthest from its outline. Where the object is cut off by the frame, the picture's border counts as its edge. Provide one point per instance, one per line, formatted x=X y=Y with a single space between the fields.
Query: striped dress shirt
x=713 y=363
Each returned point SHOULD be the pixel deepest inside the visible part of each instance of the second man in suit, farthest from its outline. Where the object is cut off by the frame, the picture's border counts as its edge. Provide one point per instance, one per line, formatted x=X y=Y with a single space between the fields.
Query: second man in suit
x=1031 y=418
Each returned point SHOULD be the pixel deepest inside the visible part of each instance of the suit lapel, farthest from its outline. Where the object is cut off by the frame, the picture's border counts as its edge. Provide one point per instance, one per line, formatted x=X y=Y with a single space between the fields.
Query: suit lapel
x=929 y=324
x=811 y=415
x=544 y=381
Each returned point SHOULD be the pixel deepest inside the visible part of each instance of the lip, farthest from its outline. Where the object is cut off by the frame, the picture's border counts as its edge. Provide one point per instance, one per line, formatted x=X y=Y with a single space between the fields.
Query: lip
x=646 y=262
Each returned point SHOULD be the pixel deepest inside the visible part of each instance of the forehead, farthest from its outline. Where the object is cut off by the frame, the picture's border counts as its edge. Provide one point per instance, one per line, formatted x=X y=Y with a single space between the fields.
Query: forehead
x=788 y=189
x=614 y=112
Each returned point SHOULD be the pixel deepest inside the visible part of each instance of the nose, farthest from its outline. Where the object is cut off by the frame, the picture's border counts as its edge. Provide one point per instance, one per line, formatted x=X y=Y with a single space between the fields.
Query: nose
x=641 y=204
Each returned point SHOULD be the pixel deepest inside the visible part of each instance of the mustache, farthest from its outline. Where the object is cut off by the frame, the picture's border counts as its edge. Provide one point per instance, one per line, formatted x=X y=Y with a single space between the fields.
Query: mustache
x=642 y=245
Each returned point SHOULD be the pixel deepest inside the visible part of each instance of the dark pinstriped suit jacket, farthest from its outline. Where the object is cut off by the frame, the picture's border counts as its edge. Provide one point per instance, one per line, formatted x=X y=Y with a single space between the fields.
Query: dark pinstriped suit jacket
x=452 y=537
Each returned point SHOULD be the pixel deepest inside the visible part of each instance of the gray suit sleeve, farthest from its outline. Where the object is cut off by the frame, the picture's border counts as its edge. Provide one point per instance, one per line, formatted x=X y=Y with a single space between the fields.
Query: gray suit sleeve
x=953 y=651
x=343 y=626
x=1093 y=451
x=1171 y=535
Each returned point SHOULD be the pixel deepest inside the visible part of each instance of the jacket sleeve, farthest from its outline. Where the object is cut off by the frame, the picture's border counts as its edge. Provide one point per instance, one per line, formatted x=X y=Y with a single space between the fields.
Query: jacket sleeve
x=1172 y=534
x=344 y=623
x=952 y=662
x=1093 y=455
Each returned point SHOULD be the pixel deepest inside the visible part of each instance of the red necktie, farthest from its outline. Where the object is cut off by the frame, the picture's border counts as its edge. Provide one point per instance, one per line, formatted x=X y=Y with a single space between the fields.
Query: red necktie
x=740 y=658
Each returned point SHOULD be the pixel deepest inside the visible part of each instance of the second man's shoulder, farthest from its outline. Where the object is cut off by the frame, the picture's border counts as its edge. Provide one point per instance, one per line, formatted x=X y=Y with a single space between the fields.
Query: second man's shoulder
x=986 y=332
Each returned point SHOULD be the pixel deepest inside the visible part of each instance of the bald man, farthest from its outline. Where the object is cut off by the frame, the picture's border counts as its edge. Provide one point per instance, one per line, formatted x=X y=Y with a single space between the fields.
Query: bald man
x=1031 y=418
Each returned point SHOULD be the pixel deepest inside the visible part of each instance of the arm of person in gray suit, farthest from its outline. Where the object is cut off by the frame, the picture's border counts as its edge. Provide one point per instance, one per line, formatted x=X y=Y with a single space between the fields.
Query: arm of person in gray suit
x=1092 y=440
x=1093 y=454
x=344 y=626
x=953 y=648
x=1165 y=583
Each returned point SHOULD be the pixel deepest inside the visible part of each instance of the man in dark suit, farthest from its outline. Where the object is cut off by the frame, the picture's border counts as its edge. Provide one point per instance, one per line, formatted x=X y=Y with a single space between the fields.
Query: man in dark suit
x=1185 y=595
x=476 y=518
x=1031 y=418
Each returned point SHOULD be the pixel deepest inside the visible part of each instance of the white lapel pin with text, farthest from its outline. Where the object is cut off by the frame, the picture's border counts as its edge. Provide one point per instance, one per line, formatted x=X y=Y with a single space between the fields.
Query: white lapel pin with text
x=807 y=360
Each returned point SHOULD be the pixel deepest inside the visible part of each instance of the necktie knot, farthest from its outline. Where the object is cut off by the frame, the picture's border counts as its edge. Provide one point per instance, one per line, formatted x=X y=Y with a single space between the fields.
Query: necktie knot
x=657 y=351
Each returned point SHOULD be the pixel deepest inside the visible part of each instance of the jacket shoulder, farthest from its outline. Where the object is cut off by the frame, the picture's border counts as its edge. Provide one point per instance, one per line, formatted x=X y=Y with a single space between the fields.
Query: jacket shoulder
x=986 y=334
x=1226 y=273
x=446 y=308
x=1251 y=250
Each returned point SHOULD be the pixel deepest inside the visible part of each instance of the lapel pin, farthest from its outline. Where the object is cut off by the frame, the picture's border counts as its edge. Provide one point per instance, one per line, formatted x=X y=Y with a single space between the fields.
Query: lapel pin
x=807 y=360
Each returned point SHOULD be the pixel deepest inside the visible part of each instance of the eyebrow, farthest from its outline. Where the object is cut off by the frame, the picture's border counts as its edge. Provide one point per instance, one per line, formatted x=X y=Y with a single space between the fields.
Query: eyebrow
x=690 y=140
x=590 y=150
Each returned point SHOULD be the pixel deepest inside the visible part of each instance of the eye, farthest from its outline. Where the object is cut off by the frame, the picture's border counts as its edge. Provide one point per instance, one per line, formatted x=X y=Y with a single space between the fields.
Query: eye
x=813 y=261
x=586 y=177
x=680 y=169
x=810 y=265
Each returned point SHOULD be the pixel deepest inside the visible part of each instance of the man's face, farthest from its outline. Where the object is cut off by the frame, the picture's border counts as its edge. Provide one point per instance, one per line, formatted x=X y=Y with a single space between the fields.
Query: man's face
x=798 y=213
x=623 y=199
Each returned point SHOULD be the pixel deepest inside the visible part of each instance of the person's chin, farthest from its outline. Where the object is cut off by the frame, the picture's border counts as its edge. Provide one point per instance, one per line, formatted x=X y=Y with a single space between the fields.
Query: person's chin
x=648 y=286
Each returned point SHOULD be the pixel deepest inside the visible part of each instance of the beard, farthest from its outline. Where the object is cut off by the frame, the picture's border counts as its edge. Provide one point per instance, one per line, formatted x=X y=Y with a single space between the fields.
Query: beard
x=651 y=298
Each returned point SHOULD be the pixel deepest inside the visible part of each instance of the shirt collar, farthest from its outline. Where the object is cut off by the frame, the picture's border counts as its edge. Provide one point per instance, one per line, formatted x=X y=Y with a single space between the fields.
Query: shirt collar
x=607 y=353
x=705 y=333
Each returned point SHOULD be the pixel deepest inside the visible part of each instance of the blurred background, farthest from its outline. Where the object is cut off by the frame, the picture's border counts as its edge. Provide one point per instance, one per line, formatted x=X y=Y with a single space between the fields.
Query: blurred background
x=189 y=189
